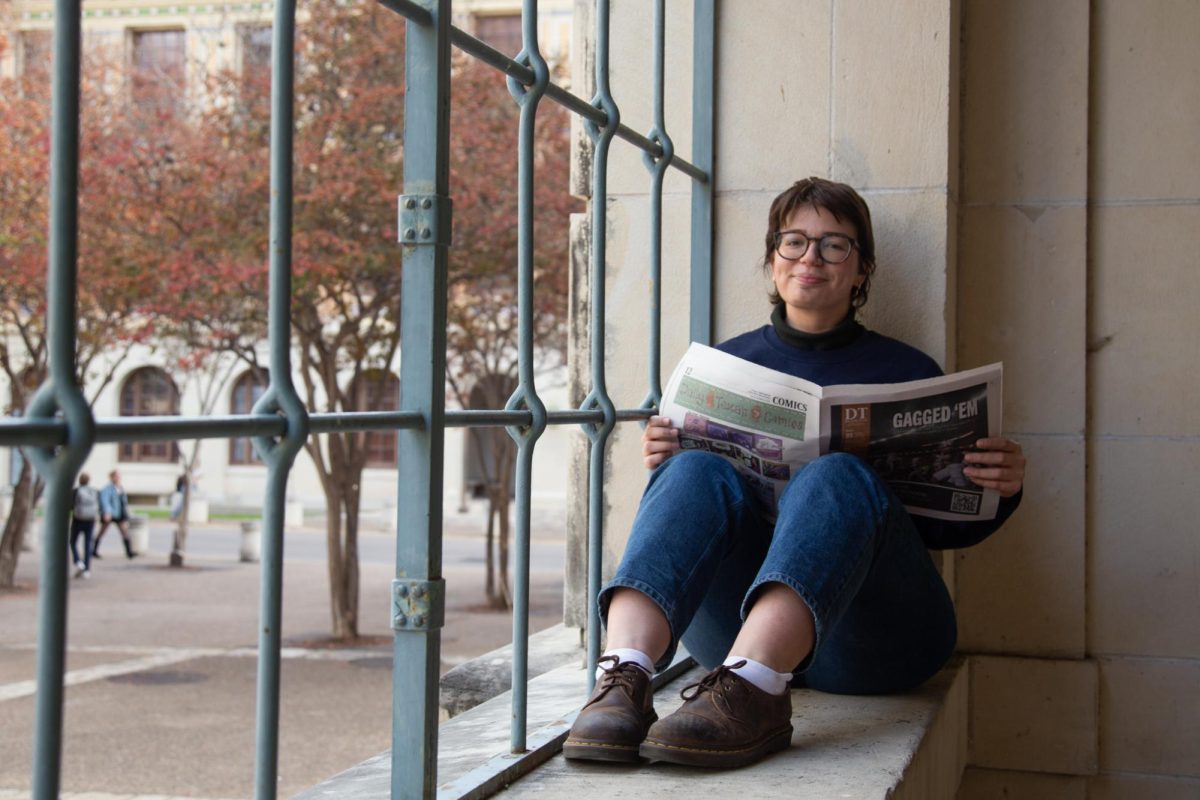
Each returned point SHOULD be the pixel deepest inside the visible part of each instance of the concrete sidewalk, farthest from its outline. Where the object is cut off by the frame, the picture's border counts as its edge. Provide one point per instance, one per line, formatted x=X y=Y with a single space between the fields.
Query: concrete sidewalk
x=161 y=674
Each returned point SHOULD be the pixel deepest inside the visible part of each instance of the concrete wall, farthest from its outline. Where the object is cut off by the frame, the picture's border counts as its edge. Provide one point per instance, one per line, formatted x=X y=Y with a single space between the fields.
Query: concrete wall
x=1034 y=171
x=1081 y=180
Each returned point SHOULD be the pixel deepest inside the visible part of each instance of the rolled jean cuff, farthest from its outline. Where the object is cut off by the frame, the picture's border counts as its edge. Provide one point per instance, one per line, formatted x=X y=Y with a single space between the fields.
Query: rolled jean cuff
x=657 y=598
x=805 y=597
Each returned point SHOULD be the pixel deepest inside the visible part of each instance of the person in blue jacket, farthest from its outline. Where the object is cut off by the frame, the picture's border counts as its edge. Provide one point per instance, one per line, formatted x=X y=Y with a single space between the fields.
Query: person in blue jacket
x=114 y=510
x=837 y=592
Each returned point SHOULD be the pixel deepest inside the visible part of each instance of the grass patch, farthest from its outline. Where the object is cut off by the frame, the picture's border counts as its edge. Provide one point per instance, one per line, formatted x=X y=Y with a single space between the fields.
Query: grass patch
x=154 y=512
x=235 y=516
x=160 y=513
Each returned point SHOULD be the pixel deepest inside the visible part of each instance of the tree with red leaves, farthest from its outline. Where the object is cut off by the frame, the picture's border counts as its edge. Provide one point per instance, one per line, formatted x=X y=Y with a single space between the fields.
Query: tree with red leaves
x=482 y=327
x=109 y=321
x=185 y=216
x=349 y=99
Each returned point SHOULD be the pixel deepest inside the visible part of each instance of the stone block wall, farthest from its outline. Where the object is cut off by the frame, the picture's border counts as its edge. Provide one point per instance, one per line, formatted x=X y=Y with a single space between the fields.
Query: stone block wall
x=1034 y=173
x=1080 y=192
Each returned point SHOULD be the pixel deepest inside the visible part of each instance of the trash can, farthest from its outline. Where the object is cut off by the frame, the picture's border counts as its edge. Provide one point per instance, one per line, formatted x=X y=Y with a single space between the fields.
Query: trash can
x=251 y=541
x=139 y=535
x=293 y=514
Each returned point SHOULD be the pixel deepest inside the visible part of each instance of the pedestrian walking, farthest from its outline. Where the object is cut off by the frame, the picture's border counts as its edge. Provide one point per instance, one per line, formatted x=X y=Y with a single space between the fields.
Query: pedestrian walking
x=114 y=510
x=85 y=507
x=178 y=497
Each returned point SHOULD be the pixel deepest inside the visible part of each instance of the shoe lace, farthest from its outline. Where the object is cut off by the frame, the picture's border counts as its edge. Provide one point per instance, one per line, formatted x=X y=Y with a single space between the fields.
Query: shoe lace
x=617 y=674
x=716 y=682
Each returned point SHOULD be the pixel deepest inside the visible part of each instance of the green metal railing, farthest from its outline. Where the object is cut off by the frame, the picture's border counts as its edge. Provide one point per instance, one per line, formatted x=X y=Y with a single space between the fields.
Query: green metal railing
x=58 y=430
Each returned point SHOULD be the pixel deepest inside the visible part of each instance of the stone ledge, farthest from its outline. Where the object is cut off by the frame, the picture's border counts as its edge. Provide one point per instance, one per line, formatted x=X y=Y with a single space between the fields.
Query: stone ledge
x=904 y=746
x=489 y=675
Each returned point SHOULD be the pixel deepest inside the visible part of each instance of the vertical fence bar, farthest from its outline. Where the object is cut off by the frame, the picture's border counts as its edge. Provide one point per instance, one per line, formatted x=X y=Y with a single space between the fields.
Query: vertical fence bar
x=598 y=398
x=418 y=589
x=658 y=168
x=704 y=47
x=59 y=393
x=525 y=396
x=280 y=398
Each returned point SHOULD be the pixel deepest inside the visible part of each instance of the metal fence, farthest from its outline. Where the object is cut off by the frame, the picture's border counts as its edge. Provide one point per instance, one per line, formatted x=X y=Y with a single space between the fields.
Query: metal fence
x=58 y=429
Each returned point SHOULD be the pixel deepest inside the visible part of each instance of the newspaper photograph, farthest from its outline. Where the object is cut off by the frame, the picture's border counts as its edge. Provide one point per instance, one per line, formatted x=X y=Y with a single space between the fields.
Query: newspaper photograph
x=770 y=424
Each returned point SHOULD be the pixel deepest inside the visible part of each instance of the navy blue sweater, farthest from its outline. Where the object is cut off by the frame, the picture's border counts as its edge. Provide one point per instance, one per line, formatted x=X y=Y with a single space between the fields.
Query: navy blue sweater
x=863 y=356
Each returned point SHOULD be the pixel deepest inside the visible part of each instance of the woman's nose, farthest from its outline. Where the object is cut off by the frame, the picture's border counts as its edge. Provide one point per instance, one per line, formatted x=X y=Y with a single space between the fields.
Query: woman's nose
x=813 y=254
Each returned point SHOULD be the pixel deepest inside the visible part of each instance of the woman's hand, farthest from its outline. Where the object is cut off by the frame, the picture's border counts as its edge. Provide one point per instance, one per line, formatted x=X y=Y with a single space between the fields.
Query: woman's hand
x=997 y=464
x=660 y=441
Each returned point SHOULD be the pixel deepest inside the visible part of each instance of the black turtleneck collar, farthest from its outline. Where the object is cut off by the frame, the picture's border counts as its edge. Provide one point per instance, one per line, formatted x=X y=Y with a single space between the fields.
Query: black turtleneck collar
x=843 y=334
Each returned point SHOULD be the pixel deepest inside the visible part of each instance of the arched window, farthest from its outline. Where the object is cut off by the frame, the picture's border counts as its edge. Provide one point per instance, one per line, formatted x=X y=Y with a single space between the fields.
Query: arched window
x=377 y=390
x=489 y=450
x=149 y=392
x=246 y=391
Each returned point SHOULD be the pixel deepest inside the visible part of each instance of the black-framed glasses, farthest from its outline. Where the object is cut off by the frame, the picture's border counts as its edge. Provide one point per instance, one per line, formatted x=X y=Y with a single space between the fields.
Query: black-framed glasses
x=834 y=248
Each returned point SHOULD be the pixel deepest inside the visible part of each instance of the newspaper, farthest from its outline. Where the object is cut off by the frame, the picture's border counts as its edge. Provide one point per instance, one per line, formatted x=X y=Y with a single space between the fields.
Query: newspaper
x=770 y=424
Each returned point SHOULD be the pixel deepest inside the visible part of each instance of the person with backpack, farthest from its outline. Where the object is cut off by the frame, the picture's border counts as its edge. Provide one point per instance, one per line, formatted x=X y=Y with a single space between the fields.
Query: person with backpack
x=85 y=507
x=114 y=510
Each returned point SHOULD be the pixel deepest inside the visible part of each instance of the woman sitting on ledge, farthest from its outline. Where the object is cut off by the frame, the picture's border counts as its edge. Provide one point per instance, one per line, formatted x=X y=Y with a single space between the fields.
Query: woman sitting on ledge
x=838 y=593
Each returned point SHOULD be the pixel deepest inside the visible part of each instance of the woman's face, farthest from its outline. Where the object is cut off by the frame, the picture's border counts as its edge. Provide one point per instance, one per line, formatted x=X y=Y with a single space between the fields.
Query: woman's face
x=815 y=293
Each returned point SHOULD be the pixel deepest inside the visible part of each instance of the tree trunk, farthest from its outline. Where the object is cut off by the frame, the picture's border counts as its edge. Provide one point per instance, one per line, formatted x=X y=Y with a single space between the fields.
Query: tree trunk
x=333 y=549
x=489 y=587
x=502 y=510
x=341 y=528
x=14 y=528
x=349 y=584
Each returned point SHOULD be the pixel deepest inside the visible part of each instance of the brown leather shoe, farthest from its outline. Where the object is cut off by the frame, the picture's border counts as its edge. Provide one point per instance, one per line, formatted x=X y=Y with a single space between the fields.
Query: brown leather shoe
x=725 y=722
x=614 y=721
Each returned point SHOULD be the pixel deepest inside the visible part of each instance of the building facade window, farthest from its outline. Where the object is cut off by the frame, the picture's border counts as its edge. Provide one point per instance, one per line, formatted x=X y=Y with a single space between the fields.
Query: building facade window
x=149 y=392
x=246 y=391
x=254 y=43
x=37 y=47
x=377 y=390
x=159 y=68
x=501 y=31
x=489 y=451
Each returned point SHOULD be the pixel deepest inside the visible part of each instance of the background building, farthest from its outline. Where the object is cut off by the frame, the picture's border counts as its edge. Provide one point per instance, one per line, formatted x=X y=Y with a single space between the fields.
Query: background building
x=174 y=47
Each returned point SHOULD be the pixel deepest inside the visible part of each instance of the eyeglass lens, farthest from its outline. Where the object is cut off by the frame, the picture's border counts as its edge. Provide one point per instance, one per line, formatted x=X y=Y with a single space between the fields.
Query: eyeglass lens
x=834 y=248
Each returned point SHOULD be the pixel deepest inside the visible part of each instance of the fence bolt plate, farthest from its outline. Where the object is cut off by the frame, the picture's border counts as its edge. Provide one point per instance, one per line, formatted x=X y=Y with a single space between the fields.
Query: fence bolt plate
x=424 y=219
x=418 y=605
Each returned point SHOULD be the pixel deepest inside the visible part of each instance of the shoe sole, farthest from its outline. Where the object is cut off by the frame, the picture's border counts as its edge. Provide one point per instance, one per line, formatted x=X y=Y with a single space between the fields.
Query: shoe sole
x=577 y=750
x=656 y=750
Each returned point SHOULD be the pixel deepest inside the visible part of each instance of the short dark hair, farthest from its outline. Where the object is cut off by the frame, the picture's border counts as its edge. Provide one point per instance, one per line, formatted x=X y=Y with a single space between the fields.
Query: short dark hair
x=838 y=199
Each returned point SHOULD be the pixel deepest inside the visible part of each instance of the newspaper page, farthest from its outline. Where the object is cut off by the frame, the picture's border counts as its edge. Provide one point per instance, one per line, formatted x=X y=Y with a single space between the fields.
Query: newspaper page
x=767 y=423
x=914 y=435
x=770 y=424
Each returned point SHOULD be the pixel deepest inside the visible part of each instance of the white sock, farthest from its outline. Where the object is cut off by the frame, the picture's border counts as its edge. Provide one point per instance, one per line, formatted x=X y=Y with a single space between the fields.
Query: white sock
x=627 y=655
x=761 y=675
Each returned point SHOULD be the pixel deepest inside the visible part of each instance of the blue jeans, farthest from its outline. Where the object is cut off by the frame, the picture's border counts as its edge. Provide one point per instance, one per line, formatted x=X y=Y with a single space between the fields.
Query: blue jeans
x=702 y=546
x=84 y=528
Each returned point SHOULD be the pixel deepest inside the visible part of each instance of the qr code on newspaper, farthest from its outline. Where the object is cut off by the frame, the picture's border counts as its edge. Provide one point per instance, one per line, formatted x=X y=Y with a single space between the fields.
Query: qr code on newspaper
x=962 y=503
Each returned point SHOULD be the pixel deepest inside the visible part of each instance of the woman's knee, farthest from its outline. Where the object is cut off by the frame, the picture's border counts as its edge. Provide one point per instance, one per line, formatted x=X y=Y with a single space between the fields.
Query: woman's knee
x=696 y=468
x=835 y=467
x=838 y=474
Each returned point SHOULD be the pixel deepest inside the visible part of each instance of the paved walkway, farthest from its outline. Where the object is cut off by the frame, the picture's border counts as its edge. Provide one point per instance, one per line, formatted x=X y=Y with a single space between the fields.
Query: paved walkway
x=162 y=663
